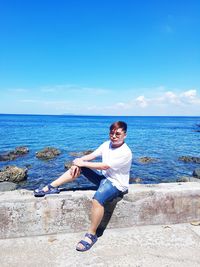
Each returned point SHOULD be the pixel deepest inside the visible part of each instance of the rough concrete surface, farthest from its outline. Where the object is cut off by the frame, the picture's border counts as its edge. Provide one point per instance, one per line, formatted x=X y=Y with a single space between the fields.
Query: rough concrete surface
x=21 y=214
x=139 y=246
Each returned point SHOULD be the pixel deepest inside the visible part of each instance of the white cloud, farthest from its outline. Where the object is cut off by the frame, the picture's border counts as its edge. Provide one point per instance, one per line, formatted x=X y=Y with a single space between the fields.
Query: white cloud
x=142 y=101
x=191 y=97
x=191 y=93
x=171 y=97
x=87 y=100
x=167 y=103
x=121 y=105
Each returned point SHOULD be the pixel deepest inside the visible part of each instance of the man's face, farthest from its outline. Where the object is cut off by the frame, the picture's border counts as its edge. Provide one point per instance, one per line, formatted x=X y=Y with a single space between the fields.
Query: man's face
x=117 y=137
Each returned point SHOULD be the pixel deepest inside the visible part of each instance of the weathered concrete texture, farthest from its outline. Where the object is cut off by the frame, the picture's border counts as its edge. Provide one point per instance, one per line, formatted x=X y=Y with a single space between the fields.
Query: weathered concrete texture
x=21 y=214
x=7 y=186
x=139 y=246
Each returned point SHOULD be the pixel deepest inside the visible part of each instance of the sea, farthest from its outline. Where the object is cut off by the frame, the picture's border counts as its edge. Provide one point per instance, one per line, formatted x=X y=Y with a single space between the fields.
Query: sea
x=163 y=138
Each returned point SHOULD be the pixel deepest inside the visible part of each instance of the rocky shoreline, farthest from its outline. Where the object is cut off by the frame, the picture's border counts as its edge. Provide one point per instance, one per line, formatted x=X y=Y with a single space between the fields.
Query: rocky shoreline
x=11 y=175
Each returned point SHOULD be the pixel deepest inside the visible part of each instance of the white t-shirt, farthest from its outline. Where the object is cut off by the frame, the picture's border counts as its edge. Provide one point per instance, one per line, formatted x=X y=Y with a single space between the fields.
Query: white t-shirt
x=119 y=160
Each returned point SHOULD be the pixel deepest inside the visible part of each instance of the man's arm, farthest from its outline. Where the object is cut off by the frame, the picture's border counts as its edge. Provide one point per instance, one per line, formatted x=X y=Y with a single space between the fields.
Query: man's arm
x=89 y=157
x=93 y=165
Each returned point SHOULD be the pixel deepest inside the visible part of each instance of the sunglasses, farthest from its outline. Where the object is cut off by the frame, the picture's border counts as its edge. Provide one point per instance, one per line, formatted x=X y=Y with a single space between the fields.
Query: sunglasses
x=117 y=134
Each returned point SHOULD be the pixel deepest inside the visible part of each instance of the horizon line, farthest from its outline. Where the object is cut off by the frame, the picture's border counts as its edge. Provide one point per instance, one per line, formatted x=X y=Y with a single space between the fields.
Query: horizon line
x=97 y=115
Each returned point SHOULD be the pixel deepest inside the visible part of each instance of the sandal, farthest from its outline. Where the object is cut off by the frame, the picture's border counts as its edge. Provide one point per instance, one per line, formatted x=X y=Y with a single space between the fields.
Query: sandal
x=51 y=190
x=87 y=245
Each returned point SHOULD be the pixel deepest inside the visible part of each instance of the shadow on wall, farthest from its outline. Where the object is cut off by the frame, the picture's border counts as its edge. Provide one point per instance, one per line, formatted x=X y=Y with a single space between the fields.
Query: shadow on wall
x=108 y=208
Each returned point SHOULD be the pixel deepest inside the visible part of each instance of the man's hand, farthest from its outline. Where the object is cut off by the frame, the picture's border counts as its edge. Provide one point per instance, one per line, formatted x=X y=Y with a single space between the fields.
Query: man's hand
x=79 y=162
x=75 y=171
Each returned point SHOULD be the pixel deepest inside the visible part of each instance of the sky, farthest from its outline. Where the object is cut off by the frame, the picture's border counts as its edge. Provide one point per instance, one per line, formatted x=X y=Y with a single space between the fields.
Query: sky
x=100 y=57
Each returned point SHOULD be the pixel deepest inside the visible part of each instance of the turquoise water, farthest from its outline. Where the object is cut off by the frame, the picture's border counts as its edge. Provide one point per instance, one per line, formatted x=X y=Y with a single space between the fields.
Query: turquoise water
x=164 y=138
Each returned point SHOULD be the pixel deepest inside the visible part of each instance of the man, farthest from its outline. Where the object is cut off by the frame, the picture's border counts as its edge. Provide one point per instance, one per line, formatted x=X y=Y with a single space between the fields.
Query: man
x=113 y=182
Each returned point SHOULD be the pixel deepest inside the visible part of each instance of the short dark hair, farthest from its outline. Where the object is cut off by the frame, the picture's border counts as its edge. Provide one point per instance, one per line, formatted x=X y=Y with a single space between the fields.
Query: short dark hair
x=118 y=124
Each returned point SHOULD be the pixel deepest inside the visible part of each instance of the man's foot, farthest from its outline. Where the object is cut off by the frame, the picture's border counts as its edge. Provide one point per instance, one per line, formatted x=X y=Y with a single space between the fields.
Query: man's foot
x=87 y=243
x=49 y=189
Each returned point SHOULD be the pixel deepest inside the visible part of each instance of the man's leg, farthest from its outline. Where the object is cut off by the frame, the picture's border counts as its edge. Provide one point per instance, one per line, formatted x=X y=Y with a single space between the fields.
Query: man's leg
x=106 y=192
x=92 y=176
x=66 y=177
x=97 y=213
x=96 y=216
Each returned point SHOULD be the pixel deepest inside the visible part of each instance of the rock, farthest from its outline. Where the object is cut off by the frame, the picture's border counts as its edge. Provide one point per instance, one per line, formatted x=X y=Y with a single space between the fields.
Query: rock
x=12 y=155
x=80 y=154
x=7 y=186
x=21 y=150
x=189 y=159
x=147 y=160
x=48 y=153
x=13 y=174
x=196 y=173
x=183 y=179
x=197 y=130
x=76 y=154
x=87 y=152
x=7 y=157
x=68 y=164
x=135 y=180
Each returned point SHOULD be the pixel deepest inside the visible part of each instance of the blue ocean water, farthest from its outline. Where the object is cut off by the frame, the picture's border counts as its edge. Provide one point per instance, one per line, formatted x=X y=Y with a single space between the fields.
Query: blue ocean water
x=163 y=138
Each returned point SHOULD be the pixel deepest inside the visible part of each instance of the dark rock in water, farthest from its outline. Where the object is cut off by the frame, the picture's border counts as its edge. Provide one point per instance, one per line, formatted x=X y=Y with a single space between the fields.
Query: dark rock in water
x=13 y=174
x=76 y=154
x=196 y=173
x=7 y=157
x=87 y=152
x=80 y=154
x=190 y=159
x=21 y=150
x=48 y=153
x=183 y=179
x=12 y=155
x=68 y=164
x=136 y=180
x=147 y=160
x=7 y=186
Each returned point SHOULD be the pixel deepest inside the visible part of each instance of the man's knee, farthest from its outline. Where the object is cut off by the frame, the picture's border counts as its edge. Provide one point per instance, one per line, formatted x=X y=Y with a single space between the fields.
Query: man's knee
x=75 y=172
x=97 y=203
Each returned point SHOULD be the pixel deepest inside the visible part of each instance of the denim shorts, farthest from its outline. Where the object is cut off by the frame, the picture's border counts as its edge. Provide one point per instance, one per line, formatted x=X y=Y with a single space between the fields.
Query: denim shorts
x=106 y=190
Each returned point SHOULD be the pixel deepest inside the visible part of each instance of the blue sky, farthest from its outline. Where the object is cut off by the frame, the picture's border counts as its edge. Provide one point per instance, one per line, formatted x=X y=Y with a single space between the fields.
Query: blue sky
x=100 y=57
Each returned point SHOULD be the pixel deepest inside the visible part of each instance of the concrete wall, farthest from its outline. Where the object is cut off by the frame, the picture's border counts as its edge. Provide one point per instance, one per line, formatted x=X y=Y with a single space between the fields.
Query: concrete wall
x=21 y=214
